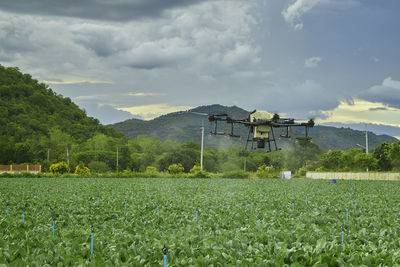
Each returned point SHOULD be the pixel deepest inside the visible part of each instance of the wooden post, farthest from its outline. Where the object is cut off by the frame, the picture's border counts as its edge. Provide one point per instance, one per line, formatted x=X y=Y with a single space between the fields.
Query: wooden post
x=27 y=167
x=11 y=168
x=40 y=168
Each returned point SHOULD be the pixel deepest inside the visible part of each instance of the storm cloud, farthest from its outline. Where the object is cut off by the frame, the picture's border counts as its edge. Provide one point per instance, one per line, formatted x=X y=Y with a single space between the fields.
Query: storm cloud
x=388 y=93
x=118 y=10
x=162 y=55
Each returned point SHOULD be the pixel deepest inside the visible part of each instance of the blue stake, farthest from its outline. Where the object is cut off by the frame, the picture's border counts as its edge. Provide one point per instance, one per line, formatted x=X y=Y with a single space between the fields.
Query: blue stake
x=258 y=222
x=165 y=260
x=158 y=210
x=91 y=244
x=292 y=205
x=197 y=213
x=355 y=203
x=347 y=215
x=265 y=196
x=53 y=226
x=125 y=206
x=342 y=237
x=306 y=200
x=7 y=210
x=23 y=216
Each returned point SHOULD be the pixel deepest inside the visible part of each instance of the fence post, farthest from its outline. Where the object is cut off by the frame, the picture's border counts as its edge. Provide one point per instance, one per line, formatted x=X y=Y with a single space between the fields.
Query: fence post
x=11 y=168
x=27 y=167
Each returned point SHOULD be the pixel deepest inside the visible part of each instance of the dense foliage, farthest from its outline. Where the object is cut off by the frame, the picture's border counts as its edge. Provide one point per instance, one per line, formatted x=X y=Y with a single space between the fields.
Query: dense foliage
x=34 y=119
x=60 y=167
x=239 y=222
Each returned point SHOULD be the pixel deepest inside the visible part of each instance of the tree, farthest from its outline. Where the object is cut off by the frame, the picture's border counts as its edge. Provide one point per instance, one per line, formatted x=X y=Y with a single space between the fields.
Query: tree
x=365 y=161
x=382 y=154
x=302 y=151
x=332 y=160
x=394 y=155
x=98 y=166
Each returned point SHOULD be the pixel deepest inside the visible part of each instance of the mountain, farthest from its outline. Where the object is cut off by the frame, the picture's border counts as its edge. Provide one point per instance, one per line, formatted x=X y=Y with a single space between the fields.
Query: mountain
x=185 y=125
x=30 y=113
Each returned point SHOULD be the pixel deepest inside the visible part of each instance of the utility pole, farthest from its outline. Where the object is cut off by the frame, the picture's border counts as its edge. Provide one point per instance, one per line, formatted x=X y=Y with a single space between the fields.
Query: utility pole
x=202 y=147
x=366 y=139
x=117 y=160
x=67 y=156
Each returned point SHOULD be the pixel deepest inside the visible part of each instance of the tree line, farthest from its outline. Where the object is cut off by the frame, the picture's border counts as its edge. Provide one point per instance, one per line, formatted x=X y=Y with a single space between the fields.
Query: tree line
x=102 y=153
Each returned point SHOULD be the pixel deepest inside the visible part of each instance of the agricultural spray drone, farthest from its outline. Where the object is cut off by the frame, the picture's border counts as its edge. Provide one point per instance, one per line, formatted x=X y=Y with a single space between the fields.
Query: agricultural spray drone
x=261 y=126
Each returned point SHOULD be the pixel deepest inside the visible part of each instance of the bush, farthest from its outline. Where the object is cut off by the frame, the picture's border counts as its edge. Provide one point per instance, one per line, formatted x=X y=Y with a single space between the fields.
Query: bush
x=175 y=168
x=151 y=169
x=60 y=168
x=320 y=169
x=302 y=171
x=195 y=169
x=235 y=174
x=98 y=166
x=81 y=169
x=267 y=172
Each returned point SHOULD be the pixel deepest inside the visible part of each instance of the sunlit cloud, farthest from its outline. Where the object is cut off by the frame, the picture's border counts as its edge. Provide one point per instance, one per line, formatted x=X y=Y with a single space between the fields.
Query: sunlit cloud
x=362 y=111
x=139 y=94
x=152 y=111
x=74 y=80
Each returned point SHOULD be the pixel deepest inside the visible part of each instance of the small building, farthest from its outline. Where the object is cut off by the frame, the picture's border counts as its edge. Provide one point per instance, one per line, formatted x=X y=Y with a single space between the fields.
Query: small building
x=286 y=174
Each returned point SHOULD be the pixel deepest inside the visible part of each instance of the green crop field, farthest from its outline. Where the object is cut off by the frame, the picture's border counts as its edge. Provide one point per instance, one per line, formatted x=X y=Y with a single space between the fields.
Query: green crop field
x=202 y=222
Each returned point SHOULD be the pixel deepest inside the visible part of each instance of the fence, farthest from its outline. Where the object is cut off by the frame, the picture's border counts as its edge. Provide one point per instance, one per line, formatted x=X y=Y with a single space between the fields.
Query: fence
x=354 y=175
x=20 y=168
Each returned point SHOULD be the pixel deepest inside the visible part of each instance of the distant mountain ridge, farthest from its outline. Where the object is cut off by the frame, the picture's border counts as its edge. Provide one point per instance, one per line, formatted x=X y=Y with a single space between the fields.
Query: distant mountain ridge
x=185 y=125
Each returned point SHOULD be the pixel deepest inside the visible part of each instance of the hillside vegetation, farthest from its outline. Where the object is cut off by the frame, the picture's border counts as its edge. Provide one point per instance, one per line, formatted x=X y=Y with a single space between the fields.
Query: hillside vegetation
x=34 y=119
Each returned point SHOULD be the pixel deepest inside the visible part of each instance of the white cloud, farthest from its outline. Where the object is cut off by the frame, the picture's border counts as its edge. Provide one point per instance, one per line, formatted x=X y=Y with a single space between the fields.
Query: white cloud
x=363 y=111
x=140 y=94
x=152 y=111
x=312 y=62
x=293 y=13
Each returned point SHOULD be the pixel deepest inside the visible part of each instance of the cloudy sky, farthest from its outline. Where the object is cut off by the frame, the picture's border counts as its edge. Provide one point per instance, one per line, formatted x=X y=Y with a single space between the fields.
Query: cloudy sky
x=335 y=60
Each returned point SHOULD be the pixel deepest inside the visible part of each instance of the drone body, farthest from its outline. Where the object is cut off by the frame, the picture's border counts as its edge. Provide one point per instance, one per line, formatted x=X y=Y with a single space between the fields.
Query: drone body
x=262 y=126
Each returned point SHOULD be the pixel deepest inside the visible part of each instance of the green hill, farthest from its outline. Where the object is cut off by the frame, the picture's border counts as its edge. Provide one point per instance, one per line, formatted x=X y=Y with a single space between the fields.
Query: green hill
x=185 y=125
x=32 y=116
